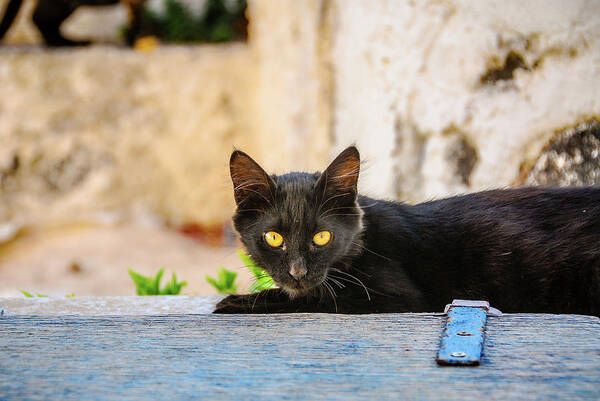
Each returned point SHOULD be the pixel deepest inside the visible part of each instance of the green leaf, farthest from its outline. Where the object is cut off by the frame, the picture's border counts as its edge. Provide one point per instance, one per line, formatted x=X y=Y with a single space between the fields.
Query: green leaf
x=173 y=287
x=263 y=280
x=29 y=295
x=156 y=282
x=151 y=285
x=225 y=284
x=214 y=283
x=262 y=284
x=143 y=285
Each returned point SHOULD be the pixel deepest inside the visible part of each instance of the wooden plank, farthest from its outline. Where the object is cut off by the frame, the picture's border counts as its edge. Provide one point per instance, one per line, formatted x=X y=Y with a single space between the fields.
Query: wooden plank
x=116 y=305
x=302 y=356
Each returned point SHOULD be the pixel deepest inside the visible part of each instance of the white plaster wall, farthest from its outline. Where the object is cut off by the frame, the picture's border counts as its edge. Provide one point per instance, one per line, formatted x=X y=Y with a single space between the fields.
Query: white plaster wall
x=288 y=40
x=402 y=79
x=407 y=87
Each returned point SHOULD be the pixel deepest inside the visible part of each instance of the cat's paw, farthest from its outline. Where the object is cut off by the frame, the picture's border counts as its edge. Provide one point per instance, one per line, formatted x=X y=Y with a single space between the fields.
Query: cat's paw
x=267 y=301
x=235 y=304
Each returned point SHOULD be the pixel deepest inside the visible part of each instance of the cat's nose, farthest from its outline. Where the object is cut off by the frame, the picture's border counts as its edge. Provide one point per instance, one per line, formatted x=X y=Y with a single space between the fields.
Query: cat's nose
x=298 y=270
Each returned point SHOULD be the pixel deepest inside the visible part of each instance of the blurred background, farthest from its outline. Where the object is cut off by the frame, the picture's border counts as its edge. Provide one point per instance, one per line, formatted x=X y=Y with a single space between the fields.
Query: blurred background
x=114 y=156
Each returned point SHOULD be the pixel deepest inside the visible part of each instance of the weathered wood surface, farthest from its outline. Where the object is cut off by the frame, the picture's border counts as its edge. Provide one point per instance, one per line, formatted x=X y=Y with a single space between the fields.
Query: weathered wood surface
x=303 y=356
x=119 y=305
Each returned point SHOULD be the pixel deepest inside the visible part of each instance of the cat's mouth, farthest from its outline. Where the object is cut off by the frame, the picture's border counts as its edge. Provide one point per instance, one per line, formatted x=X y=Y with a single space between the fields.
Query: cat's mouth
x=300 y=287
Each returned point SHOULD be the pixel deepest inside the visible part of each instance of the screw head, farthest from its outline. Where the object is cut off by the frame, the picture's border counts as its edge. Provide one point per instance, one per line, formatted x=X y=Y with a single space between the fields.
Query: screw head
x=458 y=354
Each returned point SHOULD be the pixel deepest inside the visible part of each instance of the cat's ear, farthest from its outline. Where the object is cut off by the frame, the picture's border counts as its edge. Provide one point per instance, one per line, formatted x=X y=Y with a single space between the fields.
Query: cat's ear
x=340 y=179
x=251 y=184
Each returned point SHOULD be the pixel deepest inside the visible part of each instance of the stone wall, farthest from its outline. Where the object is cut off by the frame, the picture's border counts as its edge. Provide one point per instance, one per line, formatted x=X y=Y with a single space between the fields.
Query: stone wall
x=441 y=97
x=106 y=133
x=289 y=40
x=110 y=134
x=456 y=96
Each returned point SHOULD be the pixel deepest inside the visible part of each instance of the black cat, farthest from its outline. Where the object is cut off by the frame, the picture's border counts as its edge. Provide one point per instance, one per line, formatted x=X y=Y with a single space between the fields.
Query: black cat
x=332 y=250
x=49 y=15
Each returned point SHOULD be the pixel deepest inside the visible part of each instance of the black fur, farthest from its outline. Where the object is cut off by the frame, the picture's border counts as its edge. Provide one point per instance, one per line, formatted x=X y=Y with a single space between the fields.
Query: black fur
x=523 y=250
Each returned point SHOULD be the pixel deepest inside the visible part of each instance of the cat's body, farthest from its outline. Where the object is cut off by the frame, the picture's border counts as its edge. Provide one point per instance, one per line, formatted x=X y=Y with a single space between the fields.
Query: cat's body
x=523 y=250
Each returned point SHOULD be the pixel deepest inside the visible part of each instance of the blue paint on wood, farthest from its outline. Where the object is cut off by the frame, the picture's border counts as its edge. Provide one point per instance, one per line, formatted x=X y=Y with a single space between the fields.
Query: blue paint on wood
x=291 y=357
x=462 y=338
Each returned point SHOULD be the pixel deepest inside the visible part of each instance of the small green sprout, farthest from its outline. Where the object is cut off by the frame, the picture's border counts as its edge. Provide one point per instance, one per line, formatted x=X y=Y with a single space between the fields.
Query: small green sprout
x=151 y=285
x=225 y=282
x=263 y=280
x=29 y=295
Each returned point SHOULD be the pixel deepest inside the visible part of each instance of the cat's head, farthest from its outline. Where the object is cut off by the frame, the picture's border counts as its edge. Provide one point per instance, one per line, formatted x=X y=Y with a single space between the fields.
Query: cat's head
x=298 y=226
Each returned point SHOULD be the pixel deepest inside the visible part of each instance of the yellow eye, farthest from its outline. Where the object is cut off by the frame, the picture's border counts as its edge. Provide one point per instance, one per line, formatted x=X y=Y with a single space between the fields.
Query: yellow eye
x=274 y=239
x=321 y=238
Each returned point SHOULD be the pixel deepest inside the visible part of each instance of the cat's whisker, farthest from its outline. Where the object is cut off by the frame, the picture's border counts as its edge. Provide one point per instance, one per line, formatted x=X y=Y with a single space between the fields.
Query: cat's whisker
x=258 y=295
x=330 y=286
x=336 y=282
x=249 y=184
x=351 y=281
x=322 y=292
x=358 y=281
x=352 y=173
x=253 y=224
x=331 y=198
x=250 y=210
x=342 y=214
x=346 y=207
x=373 y=252
x=254 y=303
x=261 y=195
x=336 y=208
x=332 y=293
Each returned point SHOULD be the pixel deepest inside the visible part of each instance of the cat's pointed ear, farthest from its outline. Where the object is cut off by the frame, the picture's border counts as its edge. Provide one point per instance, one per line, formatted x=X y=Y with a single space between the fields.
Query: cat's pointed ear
x=340 y=179
x=251 y=184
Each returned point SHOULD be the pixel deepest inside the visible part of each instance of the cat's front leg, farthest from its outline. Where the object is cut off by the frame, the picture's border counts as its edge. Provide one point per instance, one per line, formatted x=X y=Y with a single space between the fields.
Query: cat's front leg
x=268 y=301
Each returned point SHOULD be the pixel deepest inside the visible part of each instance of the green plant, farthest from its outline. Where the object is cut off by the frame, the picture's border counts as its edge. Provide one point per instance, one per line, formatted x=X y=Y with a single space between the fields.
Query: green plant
x=263 y=280
x=221 y=21
x=225 y=282
x=29 y=295
x=151 y=285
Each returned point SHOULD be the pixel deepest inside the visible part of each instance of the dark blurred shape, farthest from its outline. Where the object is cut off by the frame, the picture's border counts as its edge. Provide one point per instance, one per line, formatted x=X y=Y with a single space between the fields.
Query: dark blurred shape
x=571 y=158
x=504 y=71
x=465 y=157
x=11 y=11
x=49 y=15
x=212 y=235
x=75 y=268
x=221 y=21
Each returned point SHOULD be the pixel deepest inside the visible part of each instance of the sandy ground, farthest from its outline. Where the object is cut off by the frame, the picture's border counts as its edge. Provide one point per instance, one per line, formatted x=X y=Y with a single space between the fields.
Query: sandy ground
x=92 y=260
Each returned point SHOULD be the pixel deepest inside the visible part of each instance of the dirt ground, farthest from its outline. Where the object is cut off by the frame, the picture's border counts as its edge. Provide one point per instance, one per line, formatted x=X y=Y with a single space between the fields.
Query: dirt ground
x=94 y=260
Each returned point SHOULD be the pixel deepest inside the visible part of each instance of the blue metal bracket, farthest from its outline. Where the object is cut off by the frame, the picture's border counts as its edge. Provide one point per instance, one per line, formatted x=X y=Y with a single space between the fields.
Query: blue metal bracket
x=464 y=333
